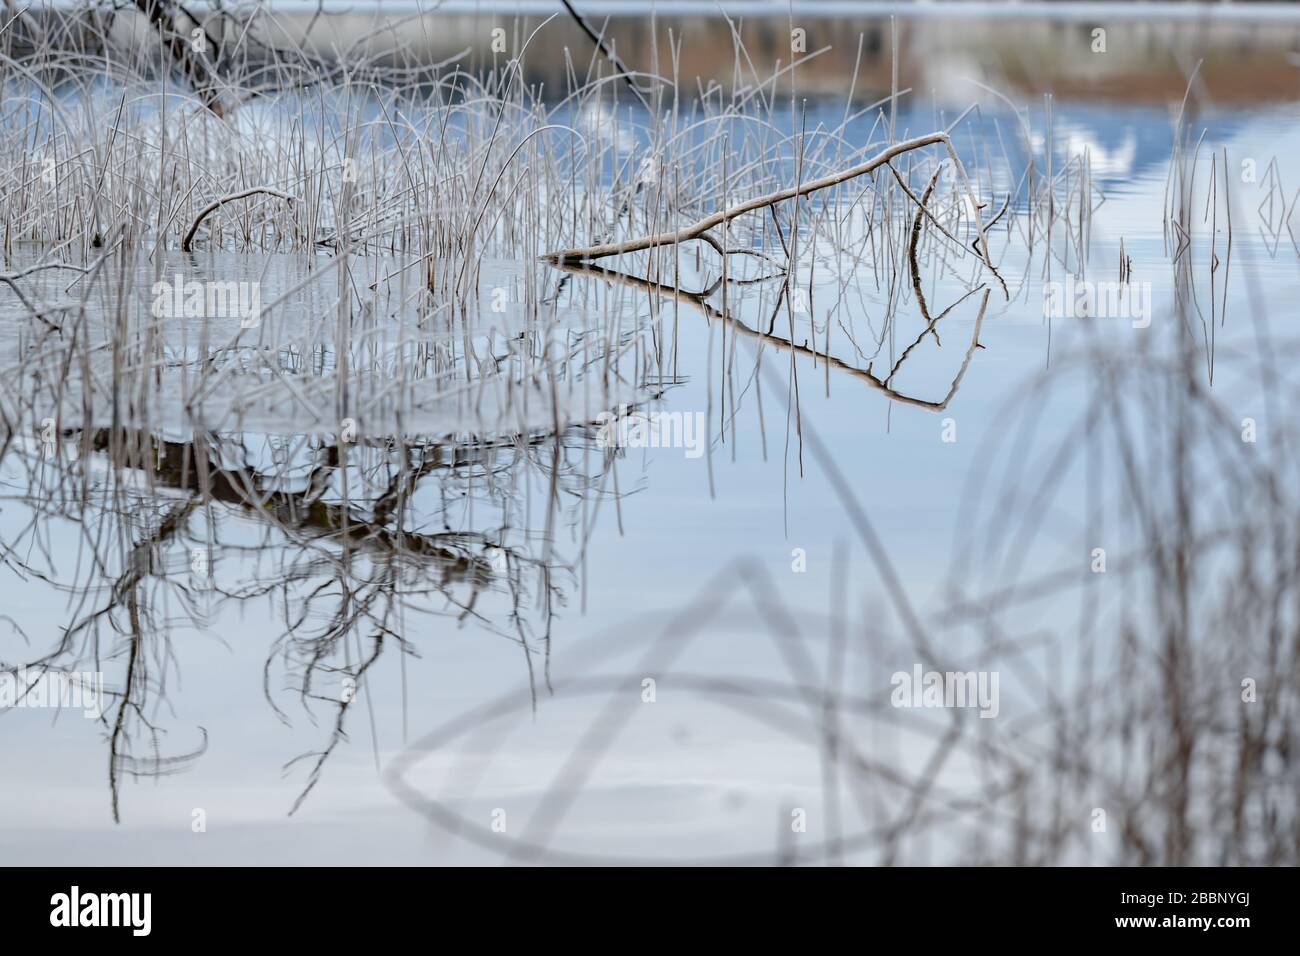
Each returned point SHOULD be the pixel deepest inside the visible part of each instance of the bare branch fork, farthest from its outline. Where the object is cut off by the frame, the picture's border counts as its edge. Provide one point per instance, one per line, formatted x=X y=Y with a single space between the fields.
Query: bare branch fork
x=697 y=230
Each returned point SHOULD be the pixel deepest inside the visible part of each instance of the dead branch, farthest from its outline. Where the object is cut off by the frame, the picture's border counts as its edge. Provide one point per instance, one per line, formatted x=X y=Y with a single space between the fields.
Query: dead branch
x=608 y=51
x=216 y=204
x=697 y=230
x=191 y=60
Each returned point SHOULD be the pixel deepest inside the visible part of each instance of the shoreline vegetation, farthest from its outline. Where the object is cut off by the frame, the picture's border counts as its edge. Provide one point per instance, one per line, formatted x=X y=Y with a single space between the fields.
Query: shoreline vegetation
x=1024 y=48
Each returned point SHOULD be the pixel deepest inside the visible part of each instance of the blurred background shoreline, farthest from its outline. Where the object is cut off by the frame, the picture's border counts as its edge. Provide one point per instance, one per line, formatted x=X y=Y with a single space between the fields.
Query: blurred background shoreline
x=1248 y=53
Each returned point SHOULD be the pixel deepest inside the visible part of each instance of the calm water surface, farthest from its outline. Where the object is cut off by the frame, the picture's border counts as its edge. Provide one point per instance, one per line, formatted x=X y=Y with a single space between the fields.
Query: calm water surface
x=567 y=654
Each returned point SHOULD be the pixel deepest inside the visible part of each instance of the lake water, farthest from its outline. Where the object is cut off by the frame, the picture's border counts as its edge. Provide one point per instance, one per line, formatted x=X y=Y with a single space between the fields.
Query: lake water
x=454 y=626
